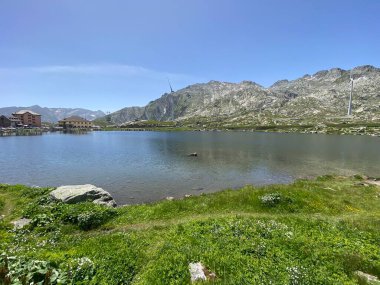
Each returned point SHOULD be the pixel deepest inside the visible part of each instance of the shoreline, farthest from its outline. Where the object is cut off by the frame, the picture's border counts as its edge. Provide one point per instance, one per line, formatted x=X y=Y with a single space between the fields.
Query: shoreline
x=369 y=129
x=349 y=129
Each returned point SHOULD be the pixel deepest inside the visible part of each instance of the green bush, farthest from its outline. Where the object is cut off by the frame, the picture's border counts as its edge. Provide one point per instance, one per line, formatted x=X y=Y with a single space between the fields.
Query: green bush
x=2 y=204
x=271 y=200
x=81 y=270
x=358 y=177
x=34 y=192
x=15 y=270
x=327 y=177
x=47 y=213
x=87 y=215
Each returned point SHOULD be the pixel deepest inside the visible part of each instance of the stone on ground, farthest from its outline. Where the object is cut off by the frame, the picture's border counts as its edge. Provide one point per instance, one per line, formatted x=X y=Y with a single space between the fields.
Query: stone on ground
x=370 y=279
x=19 y=224
x=72 y=194
x=198 y=272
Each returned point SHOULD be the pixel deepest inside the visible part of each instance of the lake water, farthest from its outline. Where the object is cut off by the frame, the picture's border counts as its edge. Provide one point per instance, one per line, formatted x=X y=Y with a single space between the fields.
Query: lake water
x=140 y=167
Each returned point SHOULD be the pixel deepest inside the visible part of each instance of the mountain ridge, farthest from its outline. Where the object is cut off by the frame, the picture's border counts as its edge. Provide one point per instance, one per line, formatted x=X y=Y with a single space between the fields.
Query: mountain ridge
x=318 y=96
x=53 y=115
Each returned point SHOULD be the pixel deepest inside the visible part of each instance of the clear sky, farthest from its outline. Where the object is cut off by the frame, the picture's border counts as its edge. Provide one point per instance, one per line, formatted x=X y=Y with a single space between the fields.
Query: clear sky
x=109 y=54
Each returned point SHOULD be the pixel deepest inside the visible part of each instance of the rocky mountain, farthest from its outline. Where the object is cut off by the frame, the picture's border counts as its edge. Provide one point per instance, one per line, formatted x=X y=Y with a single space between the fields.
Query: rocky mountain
x=326 y=93
x=53 y=115
x=319 y=96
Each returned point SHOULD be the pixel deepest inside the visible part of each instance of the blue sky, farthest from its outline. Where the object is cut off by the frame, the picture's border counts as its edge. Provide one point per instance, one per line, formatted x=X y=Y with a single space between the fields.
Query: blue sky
x=111 y=54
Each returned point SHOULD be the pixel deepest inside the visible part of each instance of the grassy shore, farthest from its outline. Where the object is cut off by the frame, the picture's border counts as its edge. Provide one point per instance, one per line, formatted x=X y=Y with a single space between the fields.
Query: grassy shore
x=346 y=128
x=310 y=232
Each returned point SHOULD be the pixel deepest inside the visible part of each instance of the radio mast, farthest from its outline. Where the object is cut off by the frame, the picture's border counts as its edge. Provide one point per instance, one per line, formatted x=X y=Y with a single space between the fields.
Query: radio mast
x=171 y=89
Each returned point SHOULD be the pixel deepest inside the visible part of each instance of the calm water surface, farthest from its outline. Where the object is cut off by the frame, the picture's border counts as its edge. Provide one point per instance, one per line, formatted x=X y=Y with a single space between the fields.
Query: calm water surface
x=147 y=166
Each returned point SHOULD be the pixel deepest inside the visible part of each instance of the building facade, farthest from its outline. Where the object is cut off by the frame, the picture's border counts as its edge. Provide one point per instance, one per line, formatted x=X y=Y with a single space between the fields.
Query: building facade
x=9 y=122
x=4 y=122
x=75 y=122
x=28 y=118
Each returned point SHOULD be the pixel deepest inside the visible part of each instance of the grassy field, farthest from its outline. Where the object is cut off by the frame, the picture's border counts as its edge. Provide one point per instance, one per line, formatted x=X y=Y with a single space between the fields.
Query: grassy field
x=310 y=232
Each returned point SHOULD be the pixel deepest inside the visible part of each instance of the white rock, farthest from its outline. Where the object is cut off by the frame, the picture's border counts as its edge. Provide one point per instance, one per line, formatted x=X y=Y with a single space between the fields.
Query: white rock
x=197 y=272
x=72 y=194
x=19 y=224
x=370 y=279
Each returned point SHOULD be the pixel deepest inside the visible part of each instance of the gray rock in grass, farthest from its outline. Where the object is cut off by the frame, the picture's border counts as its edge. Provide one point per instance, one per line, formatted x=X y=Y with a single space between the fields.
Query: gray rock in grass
x=72 y=194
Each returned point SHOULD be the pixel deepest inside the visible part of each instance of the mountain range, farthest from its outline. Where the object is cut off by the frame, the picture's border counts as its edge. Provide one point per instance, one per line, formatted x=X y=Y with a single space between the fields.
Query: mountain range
x=53 y=115
x=311 y=97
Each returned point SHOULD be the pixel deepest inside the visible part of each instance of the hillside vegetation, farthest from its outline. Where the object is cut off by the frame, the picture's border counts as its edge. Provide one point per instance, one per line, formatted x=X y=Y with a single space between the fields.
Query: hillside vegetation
x=310 y=232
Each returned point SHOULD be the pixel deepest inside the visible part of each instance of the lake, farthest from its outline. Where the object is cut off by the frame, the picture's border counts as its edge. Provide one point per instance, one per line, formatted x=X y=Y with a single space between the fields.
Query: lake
x=140 y=167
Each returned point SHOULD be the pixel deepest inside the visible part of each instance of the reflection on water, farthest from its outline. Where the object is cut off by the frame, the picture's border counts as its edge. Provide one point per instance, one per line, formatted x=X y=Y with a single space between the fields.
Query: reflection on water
x=147 y=166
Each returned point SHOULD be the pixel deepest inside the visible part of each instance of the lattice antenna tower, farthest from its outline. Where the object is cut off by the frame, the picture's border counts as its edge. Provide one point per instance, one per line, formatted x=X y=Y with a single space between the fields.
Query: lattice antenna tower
x=171 y=89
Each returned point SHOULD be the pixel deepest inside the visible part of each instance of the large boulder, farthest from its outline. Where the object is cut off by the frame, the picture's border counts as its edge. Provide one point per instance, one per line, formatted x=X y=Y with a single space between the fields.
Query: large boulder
x=72 y=194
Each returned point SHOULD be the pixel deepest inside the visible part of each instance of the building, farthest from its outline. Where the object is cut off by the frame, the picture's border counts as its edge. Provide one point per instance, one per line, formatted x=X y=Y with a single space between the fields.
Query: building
x=75 y=122
x=4 y=122
x=28 y=118
x=9 y=122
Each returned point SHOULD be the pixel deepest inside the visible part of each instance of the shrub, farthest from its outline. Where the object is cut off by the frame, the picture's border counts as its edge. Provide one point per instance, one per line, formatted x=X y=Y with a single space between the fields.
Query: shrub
x=80 y=270
x=93 y=219
x=270 y=200
x=15 y=270
x=327 y=177
x=2 y=204
x=41 y=220
x=33 y=192
x=87 y=215
x=358 y=177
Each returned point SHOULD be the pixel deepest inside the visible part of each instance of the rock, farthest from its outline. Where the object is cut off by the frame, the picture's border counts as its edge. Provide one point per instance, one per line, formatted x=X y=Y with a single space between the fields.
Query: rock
x=19 y=224
x=362 y=184
x=197 y=272
x=373 y=182
x=200 y=273
x=169 y=198
x=197 y=188
x=72 y=194
x=369 y=279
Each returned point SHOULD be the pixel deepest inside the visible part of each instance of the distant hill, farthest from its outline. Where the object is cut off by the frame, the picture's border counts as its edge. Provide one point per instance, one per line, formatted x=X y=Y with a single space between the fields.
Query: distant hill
x=315 y=97
x=53 y=115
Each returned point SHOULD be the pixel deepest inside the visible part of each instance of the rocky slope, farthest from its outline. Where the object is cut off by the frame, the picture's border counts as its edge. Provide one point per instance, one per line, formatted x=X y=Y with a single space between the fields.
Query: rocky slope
x=326 y=93
x=53 y=115
x=319 y=96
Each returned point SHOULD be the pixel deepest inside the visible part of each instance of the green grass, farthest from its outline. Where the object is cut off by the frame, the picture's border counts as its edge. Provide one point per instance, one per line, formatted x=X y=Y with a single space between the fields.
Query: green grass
x=310 y=232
